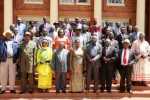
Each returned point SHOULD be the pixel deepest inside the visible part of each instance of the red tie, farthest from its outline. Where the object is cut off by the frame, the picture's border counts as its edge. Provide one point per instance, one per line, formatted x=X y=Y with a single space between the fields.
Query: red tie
x=124 y=57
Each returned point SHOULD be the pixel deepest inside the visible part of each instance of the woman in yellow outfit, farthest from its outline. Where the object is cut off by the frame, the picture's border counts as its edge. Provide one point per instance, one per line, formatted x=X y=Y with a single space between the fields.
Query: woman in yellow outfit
x=44 y=68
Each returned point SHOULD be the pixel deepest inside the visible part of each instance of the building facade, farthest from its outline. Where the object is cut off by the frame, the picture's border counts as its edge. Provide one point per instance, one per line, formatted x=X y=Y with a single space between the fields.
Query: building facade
x=135 y=12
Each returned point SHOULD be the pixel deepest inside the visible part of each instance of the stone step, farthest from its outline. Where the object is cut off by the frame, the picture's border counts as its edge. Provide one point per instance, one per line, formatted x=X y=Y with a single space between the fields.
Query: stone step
x=75 y=96
x=138 y=91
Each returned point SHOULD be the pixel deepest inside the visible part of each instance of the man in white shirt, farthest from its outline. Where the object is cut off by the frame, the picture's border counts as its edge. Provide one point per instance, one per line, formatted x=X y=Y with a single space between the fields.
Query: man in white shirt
x=8 y=67
x=127 y=60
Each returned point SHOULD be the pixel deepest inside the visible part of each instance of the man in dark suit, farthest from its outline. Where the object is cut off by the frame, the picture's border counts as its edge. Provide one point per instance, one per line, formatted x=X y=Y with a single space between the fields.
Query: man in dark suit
x=126 y=59
x=122 y=36
x=93 y=55
x=109 y=54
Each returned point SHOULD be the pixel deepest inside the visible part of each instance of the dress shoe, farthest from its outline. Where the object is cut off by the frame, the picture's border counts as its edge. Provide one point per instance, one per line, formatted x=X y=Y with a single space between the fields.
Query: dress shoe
x=108 y=91
x=12 y=91
x=22 y=92
x=2 y=92
x=121 y=91
x=102 y=91
x=57 y=91
x=95 y=91
x=63 y=91
x=31 y=91
x=130 y=91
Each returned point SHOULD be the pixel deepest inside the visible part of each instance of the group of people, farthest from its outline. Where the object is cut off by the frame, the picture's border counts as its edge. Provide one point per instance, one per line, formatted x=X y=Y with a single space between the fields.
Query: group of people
x=44 y=55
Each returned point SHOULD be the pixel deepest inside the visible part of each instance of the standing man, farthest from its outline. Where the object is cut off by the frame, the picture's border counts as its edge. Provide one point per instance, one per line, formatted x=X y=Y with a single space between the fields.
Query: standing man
x=121 y=37
x=93 y=55
x=127 y=59
x=109 y=55
x=135 y=34
x=114 y=43
x=59 y=61
x=45 y=26
x=21 y=28
x=26 y=53
x=8 y=53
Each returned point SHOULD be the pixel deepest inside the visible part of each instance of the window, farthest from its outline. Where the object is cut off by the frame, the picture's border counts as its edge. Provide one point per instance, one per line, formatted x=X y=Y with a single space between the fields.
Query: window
x=33 y=1
x=66 y=1
x=115 y=2
x=78 y=2
x=83 y=2
x=112 y=22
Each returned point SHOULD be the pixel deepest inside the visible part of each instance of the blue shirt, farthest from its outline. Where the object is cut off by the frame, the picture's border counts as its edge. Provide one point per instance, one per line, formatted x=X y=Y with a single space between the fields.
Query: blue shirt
x=21 y=30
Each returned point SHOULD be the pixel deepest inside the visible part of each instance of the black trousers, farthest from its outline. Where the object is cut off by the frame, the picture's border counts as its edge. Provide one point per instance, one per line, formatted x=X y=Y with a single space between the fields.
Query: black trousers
x=106 y=76
x=126 y=72
x=115 y=69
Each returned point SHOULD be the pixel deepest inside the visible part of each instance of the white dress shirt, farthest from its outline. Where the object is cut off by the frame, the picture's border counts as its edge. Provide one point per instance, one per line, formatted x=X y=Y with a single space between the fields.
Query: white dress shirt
x=9 y=48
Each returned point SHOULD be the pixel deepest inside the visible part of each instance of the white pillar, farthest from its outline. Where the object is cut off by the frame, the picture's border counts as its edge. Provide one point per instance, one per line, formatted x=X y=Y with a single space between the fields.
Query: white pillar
x=8 y=13
x=53 y=11
x=140 y=15
x=98 y=11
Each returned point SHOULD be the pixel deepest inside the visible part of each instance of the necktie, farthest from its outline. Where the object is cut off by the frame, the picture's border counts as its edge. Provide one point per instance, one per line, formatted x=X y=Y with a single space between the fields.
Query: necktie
x=124 y=57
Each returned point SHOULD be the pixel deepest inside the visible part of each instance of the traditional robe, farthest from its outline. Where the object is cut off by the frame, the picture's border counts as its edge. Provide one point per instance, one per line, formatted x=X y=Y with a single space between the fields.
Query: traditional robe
x=77 y=67
x=44 y=68
x=141 y=49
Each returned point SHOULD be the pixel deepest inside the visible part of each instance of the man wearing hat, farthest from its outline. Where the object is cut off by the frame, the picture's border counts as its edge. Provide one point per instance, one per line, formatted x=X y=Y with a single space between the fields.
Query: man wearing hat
x=56 y=29
x=25 y=61
x=8 y=53
x=126 y=59
x=77 y=35
x=93 y=54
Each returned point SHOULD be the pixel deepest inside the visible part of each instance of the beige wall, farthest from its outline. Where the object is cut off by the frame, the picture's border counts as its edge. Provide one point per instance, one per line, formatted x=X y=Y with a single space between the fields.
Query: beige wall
x=8 y=13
